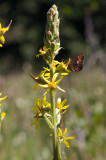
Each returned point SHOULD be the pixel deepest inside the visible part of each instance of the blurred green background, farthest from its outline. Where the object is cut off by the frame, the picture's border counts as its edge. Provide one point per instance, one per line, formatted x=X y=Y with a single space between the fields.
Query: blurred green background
x=82 y=30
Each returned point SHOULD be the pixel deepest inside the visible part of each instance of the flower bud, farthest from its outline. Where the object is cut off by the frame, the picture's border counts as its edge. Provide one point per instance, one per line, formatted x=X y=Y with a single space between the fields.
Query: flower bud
x=51 y=40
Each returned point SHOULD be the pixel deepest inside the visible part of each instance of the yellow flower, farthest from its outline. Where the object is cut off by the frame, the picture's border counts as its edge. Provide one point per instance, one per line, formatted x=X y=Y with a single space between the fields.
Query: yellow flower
x=2 y=31
x=63 y=66
x=42 y=106
x=42 y=52
x=52 y=84
x=60 y=105
x=43 y=80
x=40 y=79
x=64 y=139
x=3 y=115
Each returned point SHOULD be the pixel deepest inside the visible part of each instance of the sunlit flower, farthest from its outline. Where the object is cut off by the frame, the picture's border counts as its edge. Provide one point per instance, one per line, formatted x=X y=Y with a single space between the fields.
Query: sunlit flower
x=60 y=105
x=41 y=107
x=64 y=139
x=63 y=66
x=42 y=52
x=2 y=31
x=52 y=84
x=43 y=80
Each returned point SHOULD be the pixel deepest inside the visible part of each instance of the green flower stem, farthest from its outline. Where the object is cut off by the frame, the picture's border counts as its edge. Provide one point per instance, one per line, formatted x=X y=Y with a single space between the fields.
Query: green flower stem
x=56 y=150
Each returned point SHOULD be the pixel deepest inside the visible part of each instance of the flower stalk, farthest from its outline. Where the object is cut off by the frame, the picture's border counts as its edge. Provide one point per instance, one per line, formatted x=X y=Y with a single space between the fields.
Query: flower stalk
x=49 y=79
x=56 y=153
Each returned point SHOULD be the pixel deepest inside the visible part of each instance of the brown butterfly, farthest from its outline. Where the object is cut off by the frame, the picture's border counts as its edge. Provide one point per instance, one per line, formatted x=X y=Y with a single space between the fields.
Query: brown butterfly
x=76 y=63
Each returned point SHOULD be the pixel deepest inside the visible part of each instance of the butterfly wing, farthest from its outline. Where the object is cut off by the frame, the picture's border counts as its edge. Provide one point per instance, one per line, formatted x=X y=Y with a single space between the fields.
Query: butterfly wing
x=76 y=63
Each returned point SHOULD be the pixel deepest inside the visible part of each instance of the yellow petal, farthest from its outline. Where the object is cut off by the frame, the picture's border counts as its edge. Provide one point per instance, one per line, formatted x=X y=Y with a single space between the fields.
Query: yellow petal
x=2 y=39
x=44 y=98
x=69 y=138
x=63 y=112
x=64 y=101
x=61 y=89
x=60 y=132
x=65 y=131
x=1 y=99
x=64 y=74
x=1 y=45
x=65 y=107
x=66 y=143
x=3 y=115
x=40 y=50
x=5 y=30
x=59 y=80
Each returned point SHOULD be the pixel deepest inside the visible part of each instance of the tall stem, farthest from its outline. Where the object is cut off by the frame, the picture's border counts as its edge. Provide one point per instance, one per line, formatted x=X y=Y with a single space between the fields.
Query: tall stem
x=52 y=43
x=56 y=150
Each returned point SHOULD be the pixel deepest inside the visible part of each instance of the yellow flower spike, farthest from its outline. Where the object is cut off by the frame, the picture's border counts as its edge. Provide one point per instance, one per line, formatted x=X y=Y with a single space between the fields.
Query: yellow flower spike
x=42 y=52
x=62 y=138
x=2 y=31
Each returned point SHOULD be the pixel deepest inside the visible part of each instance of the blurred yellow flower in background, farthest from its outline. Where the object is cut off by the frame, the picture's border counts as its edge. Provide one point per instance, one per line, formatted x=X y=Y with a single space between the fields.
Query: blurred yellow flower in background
x=2 y=31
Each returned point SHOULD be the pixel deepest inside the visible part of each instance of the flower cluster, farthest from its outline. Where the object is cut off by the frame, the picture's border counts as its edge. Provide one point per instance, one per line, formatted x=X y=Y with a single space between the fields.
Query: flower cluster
x=42 y=107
